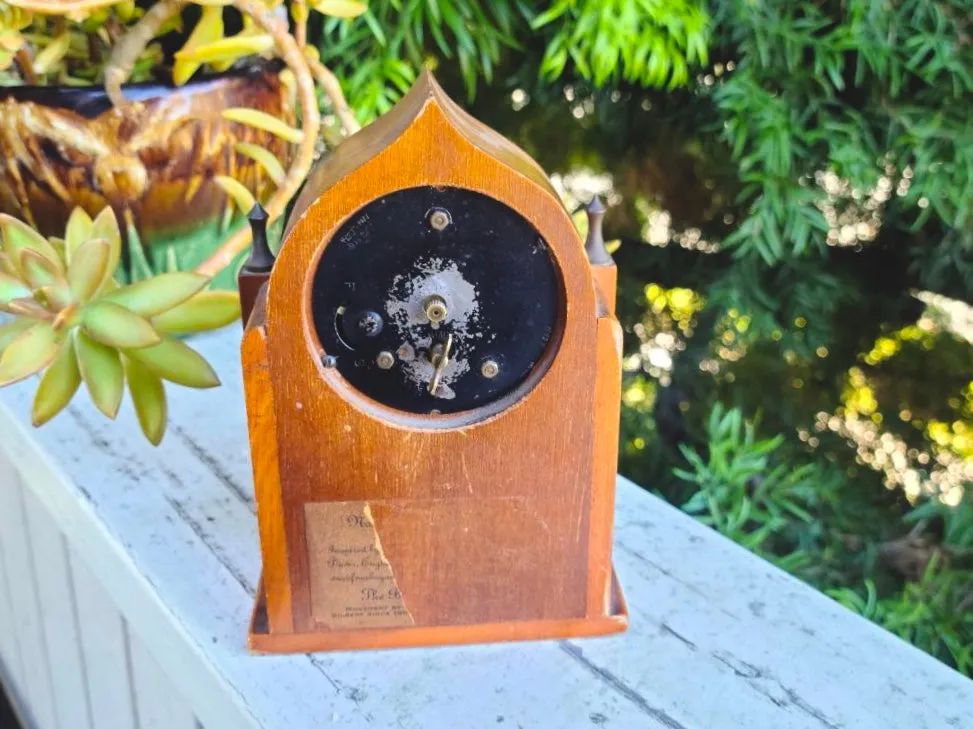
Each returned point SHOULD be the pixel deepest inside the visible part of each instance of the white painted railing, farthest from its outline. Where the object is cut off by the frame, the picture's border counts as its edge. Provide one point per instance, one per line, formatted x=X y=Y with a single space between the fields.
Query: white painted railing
x=127 y=576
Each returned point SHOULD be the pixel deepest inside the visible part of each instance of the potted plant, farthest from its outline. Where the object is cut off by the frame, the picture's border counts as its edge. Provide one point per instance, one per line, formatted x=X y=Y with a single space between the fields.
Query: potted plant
x=138 y=176
x=99 y=107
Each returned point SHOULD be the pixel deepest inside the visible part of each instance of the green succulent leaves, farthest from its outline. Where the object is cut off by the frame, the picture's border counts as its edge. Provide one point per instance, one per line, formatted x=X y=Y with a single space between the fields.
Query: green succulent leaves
x=159 y=294
x=75 y=324
x=31 y=351
x=10 y=331
x=174 y=361
x=12 y=288
x=39 y=271
x=101 y=370
x=19 y=238
x=149 y=397
x=58 y=385
x=105 y=227
x=199 y=314
x=77 y=232
x=87 y=268
x=115 y=326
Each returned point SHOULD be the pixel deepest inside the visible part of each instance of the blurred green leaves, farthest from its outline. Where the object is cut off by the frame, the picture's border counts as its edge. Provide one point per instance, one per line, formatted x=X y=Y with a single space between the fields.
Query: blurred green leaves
x=745 y=491
x=646 y=42
x=757 y=492
x=935 y=614
x=643 y=42
x=872 y=91
x=813 y=173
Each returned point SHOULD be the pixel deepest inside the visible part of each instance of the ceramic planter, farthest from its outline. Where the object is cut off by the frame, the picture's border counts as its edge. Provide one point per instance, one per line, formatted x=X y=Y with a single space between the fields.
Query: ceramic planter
x=152 y=160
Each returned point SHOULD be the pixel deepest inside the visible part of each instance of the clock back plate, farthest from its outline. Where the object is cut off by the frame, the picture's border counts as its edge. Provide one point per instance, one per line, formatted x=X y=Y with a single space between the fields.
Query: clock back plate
x=480 y=520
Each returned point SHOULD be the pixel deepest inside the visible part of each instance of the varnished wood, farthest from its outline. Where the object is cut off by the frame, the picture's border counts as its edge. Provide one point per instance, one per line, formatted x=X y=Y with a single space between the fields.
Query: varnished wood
x=607 y=398
x=263 y=449
x=614 y=621
x=495 y=525
x=606 y=281
x=249 y=284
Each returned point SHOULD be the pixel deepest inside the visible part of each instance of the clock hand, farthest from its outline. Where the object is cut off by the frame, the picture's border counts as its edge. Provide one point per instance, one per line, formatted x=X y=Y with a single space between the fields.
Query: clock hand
x=440 y=361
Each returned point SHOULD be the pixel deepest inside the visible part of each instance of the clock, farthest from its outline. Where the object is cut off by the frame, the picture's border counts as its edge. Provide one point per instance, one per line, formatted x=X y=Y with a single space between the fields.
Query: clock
x=432 y=375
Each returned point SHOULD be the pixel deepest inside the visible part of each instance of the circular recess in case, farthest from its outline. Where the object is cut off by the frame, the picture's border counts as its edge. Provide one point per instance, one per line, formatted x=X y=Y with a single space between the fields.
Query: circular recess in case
x=436 y=300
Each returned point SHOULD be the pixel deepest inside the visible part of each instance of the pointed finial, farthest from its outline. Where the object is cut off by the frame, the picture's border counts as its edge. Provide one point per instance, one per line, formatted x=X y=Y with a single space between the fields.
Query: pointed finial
x=594 y=244
x=261 y=259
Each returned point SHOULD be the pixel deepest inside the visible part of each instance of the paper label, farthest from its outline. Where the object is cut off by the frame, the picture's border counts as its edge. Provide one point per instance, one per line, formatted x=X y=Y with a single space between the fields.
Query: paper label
x=352 y=582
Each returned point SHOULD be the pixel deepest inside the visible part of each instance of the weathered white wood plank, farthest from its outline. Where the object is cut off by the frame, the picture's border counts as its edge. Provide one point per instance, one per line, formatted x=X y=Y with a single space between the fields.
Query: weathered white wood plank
x=205 y=644
x=35 y=681
x=770 y=650
x=220 y=449
x=57 y=609
x=747 y=631
x=157 y=703
x=10 y=671
x=719 y=638
x=191 y=552
x=105 y=650
x=9 y=652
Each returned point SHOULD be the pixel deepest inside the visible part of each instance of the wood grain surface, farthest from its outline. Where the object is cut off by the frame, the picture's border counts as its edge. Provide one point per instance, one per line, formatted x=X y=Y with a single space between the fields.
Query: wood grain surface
x=492 y=516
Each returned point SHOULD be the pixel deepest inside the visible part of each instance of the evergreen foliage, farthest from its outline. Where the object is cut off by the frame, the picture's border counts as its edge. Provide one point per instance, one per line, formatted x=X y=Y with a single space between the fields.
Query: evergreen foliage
x=793 y=187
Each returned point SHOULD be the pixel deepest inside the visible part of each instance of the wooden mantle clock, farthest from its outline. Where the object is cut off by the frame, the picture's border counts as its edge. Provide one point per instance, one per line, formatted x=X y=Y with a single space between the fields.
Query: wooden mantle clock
x=432 y=374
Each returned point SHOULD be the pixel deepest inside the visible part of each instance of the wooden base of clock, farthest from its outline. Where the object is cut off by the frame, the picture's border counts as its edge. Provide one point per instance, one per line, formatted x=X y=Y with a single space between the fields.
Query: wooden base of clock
x=262 y=641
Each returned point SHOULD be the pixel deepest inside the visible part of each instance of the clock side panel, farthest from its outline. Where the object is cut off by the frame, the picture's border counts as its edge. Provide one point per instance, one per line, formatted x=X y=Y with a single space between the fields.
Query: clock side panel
x=266 y=474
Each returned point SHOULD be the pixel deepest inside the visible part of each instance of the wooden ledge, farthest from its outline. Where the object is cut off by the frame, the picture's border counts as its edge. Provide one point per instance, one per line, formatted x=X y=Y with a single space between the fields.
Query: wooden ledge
x=127 y=576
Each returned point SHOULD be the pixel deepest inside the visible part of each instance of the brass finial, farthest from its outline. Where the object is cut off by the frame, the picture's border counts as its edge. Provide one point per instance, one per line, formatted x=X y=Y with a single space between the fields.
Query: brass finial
x=261 y=259
x=594 y=244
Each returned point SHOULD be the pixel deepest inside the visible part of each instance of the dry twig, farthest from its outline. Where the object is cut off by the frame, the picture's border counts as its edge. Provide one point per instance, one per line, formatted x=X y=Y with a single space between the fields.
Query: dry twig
x=130 y=46
x=289 y=52
x=306 y=71
x=300 y=24
x=329 y=83
x=25 y=64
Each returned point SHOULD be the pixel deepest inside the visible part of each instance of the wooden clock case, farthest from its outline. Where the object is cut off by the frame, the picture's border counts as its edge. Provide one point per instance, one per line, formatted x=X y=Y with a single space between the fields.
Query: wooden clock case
x=487 y=525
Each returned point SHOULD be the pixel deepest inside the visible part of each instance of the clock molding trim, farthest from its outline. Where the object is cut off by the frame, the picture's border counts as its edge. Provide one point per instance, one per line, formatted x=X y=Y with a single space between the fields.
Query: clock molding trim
x=497 y=528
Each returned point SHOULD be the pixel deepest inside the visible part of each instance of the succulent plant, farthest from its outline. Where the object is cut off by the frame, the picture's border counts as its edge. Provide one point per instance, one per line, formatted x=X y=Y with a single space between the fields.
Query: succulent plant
x=73 y=321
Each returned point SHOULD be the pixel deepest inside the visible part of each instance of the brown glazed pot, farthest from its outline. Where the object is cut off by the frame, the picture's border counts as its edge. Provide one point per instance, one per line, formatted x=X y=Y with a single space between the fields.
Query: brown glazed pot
x=155 y=157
